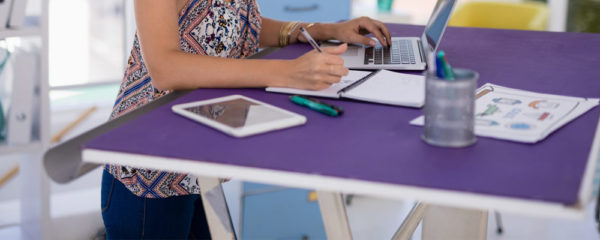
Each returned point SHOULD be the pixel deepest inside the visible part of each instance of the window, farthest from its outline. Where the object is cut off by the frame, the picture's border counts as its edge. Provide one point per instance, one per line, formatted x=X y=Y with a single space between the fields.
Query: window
x=86 y=39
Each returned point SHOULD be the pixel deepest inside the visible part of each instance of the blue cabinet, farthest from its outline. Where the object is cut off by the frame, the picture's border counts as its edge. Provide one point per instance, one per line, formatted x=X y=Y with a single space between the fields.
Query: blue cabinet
x=306 y=10
x=272 y=212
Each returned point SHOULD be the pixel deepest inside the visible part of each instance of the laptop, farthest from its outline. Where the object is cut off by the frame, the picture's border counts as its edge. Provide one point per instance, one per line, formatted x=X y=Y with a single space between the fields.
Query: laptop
x=405 y=53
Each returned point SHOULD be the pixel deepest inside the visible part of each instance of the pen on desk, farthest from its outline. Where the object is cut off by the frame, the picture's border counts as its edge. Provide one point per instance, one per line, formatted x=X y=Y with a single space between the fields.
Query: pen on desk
x=336 y=108
x=317 y=105
x=310 y=39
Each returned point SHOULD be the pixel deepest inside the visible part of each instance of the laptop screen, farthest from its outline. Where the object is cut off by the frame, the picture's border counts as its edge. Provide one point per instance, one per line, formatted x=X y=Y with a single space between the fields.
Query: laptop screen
x=437 y=23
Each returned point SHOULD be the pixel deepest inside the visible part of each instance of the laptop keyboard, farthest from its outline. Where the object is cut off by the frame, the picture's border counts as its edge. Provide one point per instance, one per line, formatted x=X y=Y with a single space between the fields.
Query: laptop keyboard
x=401 y=52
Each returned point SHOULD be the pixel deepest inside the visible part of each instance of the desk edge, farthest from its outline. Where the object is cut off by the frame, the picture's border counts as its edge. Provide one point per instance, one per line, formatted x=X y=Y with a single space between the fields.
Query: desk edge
x=351 y=186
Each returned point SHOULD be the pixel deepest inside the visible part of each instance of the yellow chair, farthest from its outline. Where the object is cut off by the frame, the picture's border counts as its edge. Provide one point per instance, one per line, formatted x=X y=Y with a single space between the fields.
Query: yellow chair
x=507 y=15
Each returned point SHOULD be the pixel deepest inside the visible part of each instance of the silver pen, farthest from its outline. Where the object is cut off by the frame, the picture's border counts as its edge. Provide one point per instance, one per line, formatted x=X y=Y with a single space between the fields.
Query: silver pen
x=310 y=39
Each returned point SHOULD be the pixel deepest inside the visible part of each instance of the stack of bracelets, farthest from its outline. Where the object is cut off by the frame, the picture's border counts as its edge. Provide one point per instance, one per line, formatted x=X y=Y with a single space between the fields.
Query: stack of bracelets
x=286 y=31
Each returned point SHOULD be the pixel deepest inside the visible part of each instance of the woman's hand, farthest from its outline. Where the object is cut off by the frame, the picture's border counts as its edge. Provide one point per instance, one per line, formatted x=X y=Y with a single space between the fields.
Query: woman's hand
x=354 y=31
x=316 y=71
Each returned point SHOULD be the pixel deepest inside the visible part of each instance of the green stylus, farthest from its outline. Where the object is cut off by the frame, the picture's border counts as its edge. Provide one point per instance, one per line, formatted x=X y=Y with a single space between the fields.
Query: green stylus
x=315 y=105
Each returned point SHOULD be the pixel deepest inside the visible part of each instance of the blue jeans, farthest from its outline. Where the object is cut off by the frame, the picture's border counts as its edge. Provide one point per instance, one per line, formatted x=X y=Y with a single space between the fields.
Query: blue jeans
x=127 y=216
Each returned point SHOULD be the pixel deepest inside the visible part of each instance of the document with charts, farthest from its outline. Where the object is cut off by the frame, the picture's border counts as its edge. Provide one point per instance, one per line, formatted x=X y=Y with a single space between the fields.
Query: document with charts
x=385 y=87
x=522 y=116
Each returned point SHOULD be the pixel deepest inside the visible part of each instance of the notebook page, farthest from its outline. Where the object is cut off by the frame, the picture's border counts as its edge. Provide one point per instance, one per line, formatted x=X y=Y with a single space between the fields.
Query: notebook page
x=330 y=92
x=392 y=88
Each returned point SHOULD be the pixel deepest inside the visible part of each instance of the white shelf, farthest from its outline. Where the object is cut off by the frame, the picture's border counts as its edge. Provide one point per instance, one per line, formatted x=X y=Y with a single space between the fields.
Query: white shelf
x=35 y=217
x=31 y=27
x=22 y=32
x=19 y=148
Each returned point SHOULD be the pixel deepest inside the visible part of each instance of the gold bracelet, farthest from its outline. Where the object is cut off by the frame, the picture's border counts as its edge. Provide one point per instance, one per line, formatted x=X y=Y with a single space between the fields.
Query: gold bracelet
x=285 y=31
x=282 y=32
x=281 y=35
x=288 y=31
x=291 y=30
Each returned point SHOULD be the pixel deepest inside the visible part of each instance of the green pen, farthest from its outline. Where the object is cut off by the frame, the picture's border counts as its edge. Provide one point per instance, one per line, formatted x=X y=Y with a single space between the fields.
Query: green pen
x=448 y=72
x=316 y=105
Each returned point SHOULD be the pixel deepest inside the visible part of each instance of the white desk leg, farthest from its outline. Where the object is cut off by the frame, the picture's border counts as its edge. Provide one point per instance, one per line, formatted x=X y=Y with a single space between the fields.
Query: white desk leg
x=454 y=223
x=333 y=212
x=215 y=208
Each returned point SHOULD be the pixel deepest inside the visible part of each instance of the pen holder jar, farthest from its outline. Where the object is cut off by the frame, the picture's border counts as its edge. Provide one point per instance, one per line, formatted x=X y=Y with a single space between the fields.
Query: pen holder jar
x=450 y=109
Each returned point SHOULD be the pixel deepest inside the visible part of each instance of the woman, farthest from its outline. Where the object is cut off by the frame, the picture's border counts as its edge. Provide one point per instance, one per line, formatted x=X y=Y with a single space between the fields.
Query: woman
x=188 y=44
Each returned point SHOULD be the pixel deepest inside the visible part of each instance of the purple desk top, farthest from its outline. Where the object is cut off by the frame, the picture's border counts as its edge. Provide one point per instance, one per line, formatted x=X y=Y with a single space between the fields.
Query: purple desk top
x=375 y=142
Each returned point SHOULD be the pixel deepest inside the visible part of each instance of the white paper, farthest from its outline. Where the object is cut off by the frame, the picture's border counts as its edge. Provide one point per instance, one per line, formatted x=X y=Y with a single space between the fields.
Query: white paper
x=330 y=92
x=522 y=116
x=393 y=88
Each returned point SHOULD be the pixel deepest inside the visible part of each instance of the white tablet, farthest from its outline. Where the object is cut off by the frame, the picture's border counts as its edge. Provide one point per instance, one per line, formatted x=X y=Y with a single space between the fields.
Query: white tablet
x=239 y=116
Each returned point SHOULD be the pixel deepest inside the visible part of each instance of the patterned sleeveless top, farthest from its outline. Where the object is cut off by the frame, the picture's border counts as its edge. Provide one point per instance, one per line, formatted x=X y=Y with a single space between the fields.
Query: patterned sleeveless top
x=206 y=27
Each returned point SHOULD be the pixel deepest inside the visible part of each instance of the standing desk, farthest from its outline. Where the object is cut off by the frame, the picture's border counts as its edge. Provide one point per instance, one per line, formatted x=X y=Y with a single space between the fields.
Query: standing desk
x=372 y=150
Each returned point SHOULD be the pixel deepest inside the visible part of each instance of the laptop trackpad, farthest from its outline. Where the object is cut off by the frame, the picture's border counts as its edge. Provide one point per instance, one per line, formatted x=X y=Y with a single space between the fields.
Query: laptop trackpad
x=351 y=52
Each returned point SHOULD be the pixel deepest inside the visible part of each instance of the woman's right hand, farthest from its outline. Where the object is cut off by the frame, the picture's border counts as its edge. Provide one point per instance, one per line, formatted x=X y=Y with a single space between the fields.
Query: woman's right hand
x=317 y=71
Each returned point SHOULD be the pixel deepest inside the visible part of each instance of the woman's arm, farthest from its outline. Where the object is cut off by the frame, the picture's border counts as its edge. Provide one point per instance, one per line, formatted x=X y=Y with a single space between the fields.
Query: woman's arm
x=352 y=31
x=172 y=68
x=269 y=33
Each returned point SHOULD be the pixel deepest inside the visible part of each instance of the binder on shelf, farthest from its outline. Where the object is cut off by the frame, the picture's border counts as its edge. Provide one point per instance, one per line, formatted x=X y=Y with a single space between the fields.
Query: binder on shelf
x=17 y=13
x=20 y=114
x=5 y=6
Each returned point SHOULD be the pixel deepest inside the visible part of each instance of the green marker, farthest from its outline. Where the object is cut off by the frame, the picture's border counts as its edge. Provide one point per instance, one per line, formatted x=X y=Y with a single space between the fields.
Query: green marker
x=448 y=72
x=317 y=106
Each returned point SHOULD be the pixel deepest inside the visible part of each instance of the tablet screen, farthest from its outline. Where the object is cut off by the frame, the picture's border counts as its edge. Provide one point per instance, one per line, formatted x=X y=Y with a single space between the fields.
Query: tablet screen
x=238 y=113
